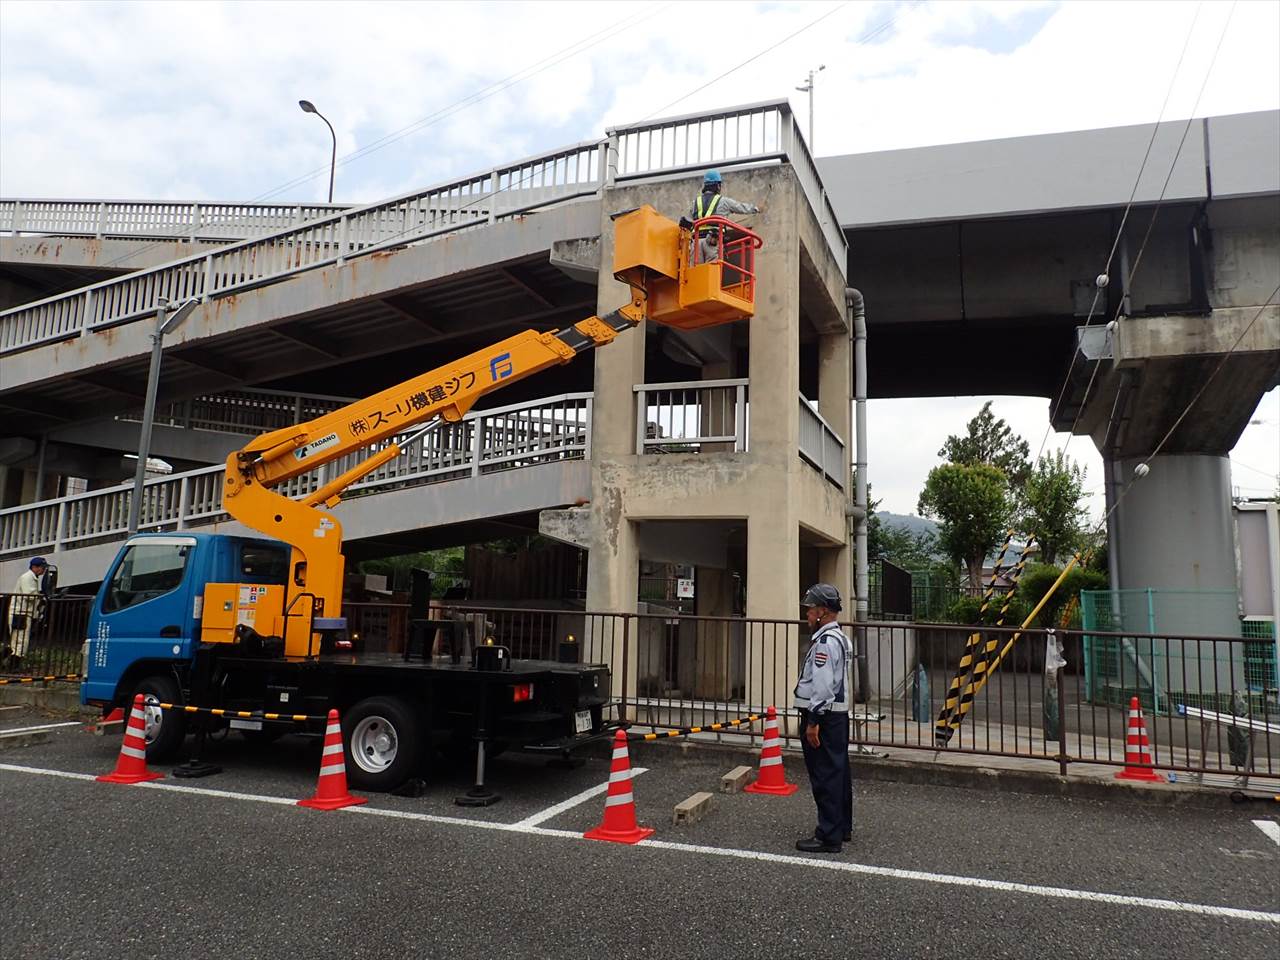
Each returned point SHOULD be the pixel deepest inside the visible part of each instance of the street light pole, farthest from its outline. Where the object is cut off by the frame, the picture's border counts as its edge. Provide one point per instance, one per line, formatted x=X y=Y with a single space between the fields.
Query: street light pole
x=309 y=107
x=165 y=322
x=808 y=88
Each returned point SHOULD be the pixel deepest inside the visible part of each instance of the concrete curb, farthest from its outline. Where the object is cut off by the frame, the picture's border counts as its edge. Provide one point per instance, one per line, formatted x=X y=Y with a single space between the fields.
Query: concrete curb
x=57 y=697
x=924 y=772
x=15 y=741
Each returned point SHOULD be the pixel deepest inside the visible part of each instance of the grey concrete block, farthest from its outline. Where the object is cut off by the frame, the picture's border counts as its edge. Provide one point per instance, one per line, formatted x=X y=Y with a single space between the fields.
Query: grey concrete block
x=735 y=780
x=694 y=808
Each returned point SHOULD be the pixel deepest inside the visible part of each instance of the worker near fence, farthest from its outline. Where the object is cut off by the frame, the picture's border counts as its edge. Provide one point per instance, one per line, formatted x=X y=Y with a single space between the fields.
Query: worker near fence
x=822 y=697
x=710 y=202
x=24 y=608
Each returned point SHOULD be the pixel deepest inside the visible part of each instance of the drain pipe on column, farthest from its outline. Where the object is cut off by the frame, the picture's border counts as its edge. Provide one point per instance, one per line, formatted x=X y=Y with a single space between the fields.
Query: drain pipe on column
x=856 y=308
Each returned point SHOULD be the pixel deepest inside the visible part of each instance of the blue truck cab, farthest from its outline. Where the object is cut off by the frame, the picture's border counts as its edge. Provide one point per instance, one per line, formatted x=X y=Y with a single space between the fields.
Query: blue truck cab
x=146 y=616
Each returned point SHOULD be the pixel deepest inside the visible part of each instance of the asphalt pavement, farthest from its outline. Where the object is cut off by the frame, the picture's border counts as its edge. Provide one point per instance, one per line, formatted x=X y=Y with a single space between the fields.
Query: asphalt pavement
x=229 y=867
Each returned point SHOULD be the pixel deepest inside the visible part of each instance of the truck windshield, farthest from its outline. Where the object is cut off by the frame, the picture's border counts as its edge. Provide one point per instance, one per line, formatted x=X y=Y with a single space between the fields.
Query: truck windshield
x=146 y=571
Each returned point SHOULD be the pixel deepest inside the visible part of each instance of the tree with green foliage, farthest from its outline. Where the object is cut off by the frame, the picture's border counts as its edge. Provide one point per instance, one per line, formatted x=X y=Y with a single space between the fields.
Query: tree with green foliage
x=1039 y=577
x=974 y=507
x=988 y=439
x=911 y=551
x=1052 y=505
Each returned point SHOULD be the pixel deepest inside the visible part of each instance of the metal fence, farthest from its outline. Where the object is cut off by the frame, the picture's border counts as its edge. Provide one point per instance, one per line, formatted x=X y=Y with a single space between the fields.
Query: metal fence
x=53 y=638
x=503 y=438
x=675 y=670
x=155 y=219
x=243 y=411
x=753 y=134
x=1204 y=713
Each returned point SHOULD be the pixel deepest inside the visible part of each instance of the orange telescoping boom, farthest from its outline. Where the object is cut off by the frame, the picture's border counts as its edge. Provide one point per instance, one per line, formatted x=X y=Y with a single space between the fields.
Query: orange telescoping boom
x=658 y=260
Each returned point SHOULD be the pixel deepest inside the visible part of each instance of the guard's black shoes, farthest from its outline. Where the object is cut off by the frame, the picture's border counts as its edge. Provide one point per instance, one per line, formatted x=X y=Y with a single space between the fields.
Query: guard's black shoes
x=814 y=845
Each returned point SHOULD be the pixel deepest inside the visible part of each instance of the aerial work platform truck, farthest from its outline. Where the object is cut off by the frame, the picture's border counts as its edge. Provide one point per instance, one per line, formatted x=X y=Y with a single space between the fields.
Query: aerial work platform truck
x=255 y=624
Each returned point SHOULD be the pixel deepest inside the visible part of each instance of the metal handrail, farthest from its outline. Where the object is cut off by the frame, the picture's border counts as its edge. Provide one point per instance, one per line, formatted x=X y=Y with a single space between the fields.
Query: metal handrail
x=533 y=183
x=194 y=497
x=154 y=219
x=832 y=463
x=643 y=391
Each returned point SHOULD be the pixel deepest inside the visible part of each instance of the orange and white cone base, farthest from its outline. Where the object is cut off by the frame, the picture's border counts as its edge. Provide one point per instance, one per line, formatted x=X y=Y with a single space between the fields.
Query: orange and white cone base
x=619 y=824
x=331 y=788
x=131 y=764
x=772 y=778
x=1137 y=750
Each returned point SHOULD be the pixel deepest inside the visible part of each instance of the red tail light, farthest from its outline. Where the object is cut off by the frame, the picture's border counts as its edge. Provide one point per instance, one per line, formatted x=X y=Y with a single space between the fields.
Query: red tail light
x=522 y=692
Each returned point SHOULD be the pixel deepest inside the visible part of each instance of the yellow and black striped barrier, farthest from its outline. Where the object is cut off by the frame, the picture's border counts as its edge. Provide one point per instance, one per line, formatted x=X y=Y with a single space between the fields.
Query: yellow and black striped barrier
x=978 y=682
x=952 y=698
x=239 y=714
x=709 y=728
x=66 y=678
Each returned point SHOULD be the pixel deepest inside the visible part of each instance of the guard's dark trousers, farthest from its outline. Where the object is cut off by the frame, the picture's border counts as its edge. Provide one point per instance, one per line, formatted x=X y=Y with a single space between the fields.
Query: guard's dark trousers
x=829 y=775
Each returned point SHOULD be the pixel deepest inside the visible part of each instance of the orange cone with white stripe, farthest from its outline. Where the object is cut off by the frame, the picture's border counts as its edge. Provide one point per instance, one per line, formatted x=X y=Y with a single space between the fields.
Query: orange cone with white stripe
x=131 y=765
x=1137 y=751
x=331 y=788
x=619 y=824
x=772 y=779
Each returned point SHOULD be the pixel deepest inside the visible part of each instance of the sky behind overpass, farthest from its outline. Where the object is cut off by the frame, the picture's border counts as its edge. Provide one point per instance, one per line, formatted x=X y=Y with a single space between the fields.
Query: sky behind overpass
x=199 y=101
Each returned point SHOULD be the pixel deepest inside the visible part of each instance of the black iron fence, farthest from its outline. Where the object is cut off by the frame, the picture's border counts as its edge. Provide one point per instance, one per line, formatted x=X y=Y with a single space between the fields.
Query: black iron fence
x=1062 y=697
x=42 y=636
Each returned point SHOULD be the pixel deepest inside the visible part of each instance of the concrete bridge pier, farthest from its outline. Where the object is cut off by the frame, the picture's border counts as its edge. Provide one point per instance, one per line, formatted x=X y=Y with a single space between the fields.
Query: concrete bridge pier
x=762 y=512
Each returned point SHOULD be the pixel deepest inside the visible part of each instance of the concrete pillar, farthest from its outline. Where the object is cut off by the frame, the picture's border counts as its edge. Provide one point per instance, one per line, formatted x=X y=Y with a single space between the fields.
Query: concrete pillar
x=713 y=596
x=1176 y=543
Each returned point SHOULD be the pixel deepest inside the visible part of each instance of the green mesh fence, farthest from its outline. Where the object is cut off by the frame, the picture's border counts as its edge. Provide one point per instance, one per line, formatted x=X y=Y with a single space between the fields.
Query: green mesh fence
x=1169 y=671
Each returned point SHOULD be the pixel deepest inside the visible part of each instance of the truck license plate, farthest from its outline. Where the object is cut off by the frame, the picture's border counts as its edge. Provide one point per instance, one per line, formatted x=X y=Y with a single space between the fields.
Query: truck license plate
x=245 y=724
x=582 y=721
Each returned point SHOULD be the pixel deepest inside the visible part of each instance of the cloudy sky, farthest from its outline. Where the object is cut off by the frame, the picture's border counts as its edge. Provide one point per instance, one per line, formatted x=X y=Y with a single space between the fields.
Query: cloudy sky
x=199 y=101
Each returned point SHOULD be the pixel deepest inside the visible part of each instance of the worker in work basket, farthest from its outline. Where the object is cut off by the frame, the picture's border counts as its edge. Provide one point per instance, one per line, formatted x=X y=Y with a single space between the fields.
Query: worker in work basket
x=822 y=697
x=710 y=202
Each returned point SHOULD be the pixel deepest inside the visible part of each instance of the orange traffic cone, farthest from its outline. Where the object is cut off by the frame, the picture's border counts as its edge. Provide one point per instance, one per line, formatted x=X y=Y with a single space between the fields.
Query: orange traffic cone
x=331 y=788
x=772 y=779
x=1137 y=751
x=131 y=764
x=619 y=824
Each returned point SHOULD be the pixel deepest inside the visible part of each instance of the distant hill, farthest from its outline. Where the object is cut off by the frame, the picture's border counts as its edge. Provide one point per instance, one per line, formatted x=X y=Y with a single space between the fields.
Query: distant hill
x=903 y=521
x=917 y=525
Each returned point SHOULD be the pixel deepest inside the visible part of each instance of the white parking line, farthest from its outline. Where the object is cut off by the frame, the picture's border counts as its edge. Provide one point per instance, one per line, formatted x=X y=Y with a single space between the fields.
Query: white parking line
x=559 y=808
x=1270 y=828
x=44 y=726
x=839 y=866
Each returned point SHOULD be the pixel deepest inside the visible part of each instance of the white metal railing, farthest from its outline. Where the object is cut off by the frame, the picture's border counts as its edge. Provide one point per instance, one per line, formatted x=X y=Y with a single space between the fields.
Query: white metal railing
x=751 y=134
x=156 y=219
x=243 y=411
x=696 y=416
x=821 y=445
x=758 y=133
x=506 y=438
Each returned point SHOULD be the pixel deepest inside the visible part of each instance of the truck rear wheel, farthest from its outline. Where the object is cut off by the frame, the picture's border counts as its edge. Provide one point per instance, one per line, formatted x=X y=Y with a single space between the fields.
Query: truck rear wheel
x=165 y=729
x=383 y=739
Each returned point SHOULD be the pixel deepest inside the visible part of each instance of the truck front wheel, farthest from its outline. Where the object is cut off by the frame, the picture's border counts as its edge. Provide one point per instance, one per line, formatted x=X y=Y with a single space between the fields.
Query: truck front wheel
x=165 y=729
x=383 y=738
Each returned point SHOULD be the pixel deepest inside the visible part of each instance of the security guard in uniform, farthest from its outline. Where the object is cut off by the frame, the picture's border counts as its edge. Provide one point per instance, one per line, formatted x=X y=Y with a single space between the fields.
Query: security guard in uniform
x=708 y=203
x=822 y=698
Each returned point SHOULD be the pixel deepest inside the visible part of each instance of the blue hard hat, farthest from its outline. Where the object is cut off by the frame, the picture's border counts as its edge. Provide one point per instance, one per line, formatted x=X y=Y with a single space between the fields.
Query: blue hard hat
x=38 y=562
x=712 y=176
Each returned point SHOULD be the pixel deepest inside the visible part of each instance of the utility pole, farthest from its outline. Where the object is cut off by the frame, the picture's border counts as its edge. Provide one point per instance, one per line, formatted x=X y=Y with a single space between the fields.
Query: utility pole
x=808 y=88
